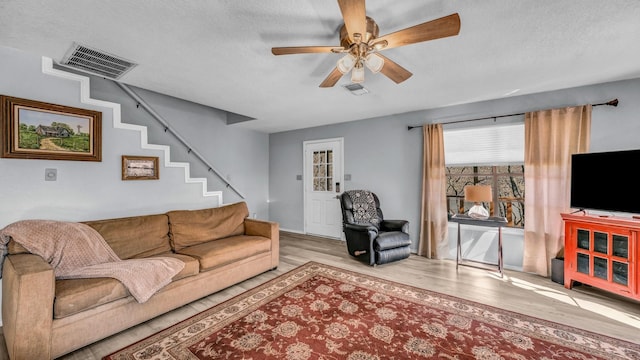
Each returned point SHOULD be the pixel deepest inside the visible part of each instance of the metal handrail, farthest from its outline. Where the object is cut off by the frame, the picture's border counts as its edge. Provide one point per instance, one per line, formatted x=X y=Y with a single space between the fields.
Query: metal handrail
x=184 y=142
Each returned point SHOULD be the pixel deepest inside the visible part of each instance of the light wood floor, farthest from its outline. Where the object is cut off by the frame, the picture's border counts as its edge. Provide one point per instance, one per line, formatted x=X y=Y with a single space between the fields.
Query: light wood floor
x=582 y=307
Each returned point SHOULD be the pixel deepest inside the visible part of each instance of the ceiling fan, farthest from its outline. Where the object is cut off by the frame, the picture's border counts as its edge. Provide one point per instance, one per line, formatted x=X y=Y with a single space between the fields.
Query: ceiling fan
x=360 y=43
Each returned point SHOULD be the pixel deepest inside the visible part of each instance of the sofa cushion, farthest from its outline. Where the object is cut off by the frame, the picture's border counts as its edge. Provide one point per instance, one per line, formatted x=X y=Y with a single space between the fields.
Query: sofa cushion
x=76 y=295
x=193 y=227
x=135 y=237
x=191 y=265
x=224 y=251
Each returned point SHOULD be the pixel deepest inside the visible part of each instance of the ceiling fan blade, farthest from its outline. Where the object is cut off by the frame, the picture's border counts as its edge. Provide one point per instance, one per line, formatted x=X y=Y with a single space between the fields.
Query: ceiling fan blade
x=430 y=30
x=303 y=49
x=394 y=71
x=332 y=79
x=354 y=15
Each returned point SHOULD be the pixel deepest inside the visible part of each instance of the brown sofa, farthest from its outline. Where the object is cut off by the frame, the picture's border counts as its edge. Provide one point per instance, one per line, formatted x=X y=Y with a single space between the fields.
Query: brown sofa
x=44 y=318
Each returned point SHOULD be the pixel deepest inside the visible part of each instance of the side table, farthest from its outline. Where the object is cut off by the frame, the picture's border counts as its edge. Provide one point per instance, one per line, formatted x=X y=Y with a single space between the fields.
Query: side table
x=492 y=221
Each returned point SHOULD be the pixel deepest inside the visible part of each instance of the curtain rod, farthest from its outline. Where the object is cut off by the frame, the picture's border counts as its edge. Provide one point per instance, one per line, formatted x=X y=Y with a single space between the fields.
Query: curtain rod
x=613 y=102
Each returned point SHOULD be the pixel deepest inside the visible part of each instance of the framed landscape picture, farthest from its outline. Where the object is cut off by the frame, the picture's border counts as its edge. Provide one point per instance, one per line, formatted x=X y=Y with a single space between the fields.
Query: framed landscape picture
x=140 y=168
x=38 y=130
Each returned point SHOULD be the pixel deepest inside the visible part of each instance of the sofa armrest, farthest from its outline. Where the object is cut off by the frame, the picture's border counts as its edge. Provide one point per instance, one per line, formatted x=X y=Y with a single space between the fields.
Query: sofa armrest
x=28 y=290
x=260 y=228
x=269 y=230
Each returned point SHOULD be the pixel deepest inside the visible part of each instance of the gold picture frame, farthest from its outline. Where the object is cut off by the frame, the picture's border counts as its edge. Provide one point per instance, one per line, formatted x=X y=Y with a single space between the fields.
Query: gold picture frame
x=39 y=130
x=140 y=168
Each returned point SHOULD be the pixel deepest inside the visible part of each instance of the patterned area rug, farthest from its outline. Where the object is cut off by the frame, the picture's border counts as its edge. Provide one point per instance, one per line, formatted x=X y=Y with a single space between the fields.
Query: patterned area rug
x=322 y=312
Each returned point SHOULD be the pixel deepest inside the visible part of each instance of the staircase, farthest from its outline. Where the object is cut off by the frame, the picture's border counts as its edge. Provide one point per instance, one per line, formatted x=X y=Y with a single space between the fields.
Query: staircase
x=85 y=98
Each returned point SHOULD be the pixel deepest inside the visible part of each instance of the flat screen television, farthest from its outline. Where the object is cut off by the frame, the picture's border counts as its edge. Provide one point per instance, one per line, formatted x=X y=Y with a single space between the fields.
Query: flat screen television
x=606 y=181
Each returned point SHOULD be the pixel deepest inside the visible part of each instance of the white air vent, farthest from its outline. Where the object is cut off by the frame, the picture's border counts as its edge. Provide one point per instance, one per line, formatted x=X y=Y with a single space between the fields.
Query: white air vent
x=356 y=89
x=97 y=62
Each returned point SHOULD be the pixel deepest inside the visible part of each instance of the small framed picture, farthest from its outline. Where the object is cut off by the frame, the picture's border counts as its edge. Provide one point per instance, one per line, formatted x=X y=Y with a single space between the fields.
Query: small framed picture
x=140 y=168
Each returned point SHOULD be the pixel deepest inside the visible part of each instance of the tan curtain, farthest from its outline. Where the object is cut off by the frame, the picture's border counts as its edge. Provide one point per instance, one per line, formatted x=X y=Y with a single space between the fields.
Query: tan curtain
x=433 y=226
x=551 y=137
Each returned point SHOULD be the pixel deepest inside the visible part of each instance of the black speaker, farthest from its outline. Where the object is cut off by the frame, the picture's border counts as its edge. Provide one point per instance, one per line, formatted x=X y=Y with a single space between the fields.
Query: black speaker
x=557 y=271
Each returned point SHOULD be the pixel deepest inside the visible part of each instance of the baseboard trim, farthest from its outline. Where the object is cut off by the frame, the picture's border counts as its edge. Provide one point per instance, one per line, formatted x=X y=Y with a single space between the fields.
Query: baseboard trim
x=293 y=231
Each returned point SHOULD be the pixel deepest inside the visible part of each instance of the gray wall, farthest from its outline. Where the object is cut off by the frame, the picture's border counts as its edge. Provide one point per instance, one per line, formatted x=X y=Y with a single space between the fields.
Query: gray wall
x=383 y=156
x=94 y=190
x=239 y=155
x=90 y=190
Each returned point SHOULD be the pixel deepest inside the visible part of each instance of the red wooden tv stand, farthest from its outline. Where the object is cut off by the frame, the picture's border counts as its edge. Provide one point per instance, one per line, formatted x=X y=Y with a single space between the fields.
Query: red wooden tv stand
x=602 y=251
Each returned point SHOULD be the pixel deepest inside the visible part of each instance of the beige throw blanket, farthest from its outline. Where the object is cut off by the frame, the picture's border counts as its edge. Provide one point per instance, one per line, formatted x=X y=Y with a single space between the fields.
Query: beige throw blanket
x=76 y=250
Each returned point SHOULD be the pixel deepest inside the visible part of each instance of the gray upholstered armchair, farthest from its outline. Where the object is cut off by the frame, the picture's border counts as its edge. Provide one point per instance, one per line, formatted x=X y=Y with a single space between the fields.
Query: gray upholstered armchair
x=370 y=237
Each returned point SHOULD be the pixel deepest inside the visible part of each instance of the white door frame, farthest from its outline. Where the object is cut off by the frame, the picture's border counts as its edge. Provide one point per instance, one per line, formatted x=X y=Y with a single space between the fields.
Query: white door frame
x=307 y=174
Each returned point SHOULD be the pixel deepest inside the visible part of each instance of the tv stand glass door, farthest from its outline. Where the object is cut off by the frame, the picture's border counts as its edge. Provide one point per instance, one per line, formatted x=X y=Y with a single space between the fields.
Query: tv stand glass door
x=602 y=252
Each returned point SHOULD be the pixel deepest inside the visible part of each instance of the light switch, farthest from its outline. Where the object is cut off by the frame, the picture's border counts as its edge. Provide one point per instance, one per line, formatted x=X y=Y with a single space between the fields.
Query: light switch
x=50 y=174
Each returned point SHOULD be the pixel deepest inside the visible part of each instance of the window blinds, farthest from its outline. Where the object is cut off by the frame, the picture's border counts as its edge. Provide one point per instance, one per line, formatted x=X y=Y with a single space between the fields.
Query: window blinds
x=490 y=145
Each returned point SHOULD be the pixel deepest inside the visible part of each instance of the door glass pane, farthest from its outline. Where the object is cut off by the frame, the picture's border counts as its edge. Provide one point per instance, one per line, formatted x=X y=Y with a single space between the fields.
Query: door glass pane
x=583 y=239
x=323 y=170
x=621 y=273
x=600 y=268
x=621 y=246
x=330 y=170
x=600 y=242
x=319 y=184
x=583 y=263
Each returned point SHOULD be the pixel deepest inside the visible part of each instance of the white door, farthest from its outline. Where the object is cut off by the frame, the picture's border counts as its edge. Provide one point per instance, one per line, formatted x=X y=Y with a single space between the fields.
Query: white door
x=323 y=183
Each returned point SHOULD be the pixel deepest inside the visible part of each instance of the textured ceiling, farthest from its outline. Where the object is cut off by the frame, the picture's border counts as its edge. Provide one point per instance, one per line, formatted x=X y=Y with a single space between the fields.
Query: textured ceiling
x=218 y=53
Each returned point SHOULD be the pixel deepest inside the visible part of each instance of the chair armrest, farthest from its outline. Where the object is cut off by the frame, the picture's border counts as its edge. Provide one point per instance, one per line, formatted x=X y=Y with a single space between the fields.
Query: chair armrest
x=395 y=225
x=269 y=230
x=361 y=228
x=360 y=240
x=28 y=291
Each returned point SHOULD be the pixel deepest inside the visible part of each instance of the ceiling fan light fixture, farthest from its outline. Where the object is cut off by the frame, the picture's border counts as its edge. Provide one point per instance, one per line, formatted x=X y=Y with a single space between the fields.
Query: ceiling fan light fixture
x=357 y=74
x=346 y=63
x=380 y=45
x=374 y=62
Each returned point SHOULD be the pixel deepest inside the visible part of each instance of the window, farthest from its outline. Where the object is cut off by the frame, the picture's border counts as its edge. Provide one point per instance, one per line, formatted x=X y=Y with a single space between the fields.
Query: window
x=506 y=181
x=490 y=155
